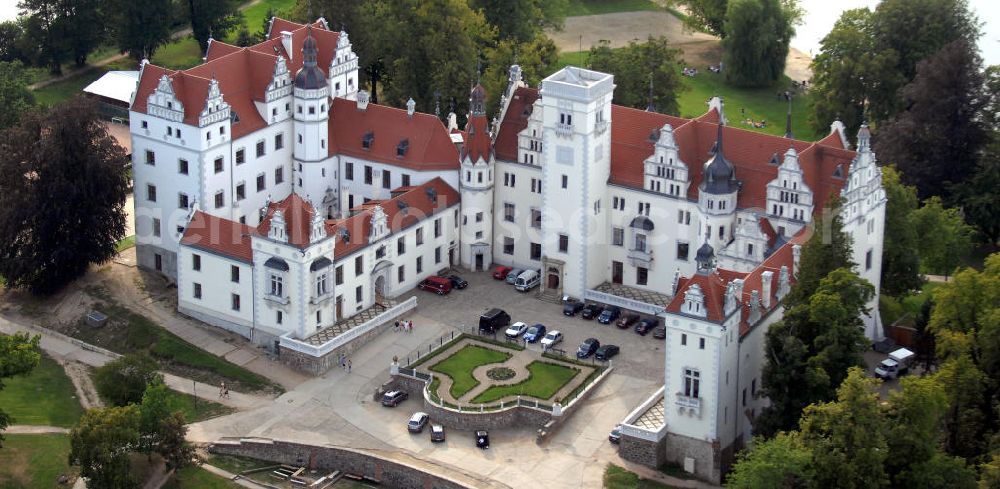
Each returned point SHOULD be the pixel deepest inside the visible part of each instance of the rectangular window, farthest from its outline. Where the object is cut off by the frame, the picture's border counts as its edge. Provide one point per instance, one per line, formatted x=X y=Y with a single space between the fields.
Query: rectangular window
x=368 y=175
x=400 y=274
x=437 y=255
x=261 y=182
x=437 y=228
x=508 y=212
x=386 y=179
x=701 y=343
x=278 y=317
x=868 y=260
x=420 y=236
x=279 y=175
x=618 y=236
x=218 y=165
x=641 y=276
x=406 y=180
x=349 y=171
x=420 y=264
x=359 y=265
x=241 y=156
x=196 y=262
x=279 y=141
x=182 y=201
x=536 y=218
x=682 y=251
x=156 y=227
x=197 y=291
x=151 y=192
x=563 y=243
x=260 y=148
x=220 y=200
x=150 y=157
x=236 y=302
x=358 y=294
x=640 y=242
x=322 y=285
x=536 y=251
x=692 y=381
x=182 y=167
x=565 y=181
x=234 y=274
x=479 y=217
x=339 y=275
x=241 y=191
x=277 y=285
x=684 y=339
x=508 y=245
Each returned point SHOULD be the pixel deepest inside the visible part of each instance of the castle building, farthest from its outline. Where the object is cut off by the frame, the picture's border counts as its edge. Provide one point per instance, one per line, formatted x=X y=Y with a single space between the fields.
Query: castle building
x=290 y=209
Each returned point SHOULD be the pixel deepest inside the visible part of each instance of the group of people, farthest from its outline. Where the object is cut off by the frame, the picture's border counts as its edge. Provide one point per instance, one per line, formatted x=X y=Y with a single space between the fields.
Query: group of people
x=405 y=326
x=345 y=363
x=223 y=391
x=755 y=124
x=688 y=71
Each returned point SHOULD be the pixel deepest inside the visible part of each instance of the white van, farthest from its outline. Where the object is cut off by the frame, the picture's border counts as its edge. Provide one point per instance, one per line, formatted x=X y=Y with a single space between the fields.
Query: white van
x=527 y=280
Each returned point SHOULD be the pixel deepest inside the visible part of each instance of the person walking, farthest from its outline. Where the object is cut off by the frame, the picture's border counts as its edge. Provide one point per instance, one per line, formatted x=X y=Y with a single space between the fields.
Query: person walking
x=225 y=392
x=222 y=388
x=348 y=366
x=395 y=328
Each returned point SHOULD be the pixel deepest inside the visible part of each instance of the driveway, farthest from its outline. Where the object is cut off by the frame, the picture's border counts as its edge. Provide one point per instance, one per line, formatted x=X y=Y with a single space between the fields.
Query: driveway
x=338 y=409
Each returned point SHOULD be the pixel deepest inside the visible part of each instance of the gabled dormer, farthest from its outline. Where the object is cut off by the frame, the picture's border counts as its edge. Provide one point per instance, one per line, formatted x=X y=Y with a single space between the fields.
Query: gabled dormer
x=163 y=102
x=664 y=170
x=379 y=224
x=343 y=70
x=216 y=109
x=788 y=196
x=278 y=231
x=863 y=189
x=694 y=301
x=529 y=140
x=317 y=226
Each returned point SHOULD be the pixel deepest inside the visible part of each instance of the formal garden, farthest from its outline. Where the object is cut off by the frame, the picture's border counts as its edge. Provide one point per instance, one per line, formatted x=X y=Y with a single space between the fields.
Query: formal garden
x=476 y=371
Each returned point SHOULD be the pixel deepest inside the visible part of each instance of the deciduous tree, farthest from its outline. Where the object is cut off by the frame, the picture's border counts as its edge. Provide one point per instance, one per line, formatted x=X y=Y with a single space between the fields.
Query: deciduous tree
x=124 y=381
x=163 y=430
x=900 y=256
x=536 y=59
x=64 y=155
x=979 y=197
x=15 y=98
x=522 y=20
x=633 y=66
x=18 y=356
x=100 y=444
x=780 y=462
x=140 y=28
x=948 y=238
x=213 y=18
x=756 y=43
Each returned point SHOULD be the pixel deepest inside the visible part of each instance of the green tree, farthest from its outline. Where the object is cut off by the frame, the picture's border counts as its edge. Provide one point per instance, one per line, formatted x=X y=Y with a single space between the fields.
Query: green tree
x=213 y=18
x=100 y=444
x=11 y=38
x=937 y=139
x=354 y=17
x=522 y=20
x=780 y=462
x=140 y=28
x=64 y=152
x=848 y=437
x=245 y=38
x=15 y=98
x=123 y=381
x=633 y=66
x=45 y=29
x=756 y=42
x=536 y=59
x=162 y=430
x=948 y=238
x=967 y=423
x=900 y=256
x=828 y=249
x=706 y=15
x=84 y=27
x=18 y=356
x=979 y=197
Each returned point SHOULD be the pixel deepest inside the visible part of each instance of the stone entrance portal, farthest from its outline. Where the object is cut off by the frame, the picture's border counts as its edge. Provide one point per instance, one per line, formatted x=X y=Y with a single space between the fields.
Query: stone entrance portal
x=552 y=271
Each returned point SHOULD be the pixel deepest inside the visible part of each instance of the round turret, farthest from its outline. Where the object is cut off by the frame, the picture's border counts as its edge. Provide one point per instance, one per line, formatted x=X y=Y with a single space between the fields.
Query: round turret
x=309 y=77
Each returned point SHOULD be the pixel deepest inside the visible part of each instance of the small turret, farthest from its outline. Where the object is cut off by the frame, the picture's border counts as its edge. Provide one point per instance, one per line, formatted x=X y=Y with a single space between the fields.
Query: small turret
x=720 y=175
x=309 y=77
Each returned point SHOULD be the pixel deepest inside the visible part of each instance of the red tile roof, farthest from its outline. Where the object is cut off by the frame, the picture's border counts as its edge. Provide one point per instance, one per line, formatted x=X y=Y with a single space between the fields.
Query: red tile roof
x=514 y=121
x=219 y=236
x=713 y=286
x=298 y=217
x=477 y=143
x=429 y=146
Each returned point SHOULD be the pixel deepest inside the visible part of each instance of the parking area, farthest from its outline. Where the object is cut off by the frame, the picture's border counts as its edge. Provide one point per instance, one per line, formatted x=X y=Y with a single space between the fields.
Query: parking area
x=640 y=356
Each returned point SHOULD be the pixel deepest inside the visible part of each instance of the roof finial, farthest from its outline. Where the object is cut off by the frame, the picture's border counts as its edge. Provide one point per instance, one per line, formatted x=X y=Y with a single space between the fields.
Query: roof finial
x=650 y=107
x=788 y=117
x=479 y=68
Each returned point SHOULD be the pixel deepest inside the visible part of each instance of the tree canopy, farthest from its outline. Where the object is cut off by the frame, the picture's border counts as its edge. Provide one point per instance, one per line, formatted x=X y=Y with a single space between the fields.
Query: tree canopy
x=18 y=356
x=900 y=256
x=64 y=152
x=213 y=18
x=756 y=43
x=15 y=98
x=124 y=380
x=536 y=59
x=522 y=20
x=948 y=237
x=100 y=444
x=633 y=67
x=140 y=28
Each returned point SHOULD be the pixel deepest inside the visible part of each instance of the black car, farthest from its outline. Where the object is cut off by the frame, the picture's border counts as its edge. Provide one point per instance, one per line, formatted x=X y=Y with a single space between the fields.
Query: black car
x=393 y=398
x=590 y=311
x=609 y=314
x=457 y=282
x=605 y=352
x=616 y=434
x=660 y=333
x=644 y=326
x=627 y=320
x=588 y=347
x=483 y=439
x=570 y=308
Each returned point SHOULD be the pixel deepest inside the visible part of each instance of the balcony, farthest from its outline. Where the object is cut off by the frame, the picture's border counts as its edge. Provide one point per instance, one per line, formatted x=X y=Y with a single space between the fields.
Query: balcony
x=640 y=257
x=564 y=129
x=319 y=299
x=601 y=126
x=687 y=402
x=276 y=298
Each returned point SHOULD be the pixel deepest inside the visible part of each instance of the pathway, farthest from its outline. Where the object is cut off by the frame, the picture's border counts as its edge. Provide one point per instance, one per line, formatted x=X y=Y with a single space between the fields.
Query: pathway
x=24 y=429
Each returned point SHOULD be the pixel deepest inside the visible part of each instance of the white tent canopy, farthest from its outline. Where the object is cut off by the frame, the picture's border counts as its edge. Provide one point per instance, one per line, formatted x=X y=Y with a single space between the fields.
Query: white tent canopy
x=115 y=85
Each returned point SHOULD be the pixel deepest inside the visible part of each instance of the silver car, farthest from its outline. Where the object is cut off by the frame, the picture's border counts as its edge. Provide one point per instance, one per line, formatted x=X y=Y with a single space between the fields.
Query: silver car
x=417 y=422
x=512 y=276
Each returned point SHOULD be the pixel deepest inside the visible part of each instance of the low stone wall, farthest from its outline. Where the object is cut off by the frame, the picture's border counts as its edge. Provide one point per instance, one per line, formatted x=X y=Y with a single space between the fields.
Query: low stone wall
x=327 y=458
x=645 y=452
x=707 y=456
x=319 y=365
x=489 y=420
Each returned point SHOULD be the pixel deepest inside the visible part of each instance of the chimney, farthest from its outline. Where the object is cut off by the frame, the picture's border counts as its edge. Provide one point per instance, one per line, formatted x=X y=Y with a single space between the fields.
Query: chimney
x=286 y=42
x=796 y=255
x=411 y=107
x=362 y=100
x=766 y=279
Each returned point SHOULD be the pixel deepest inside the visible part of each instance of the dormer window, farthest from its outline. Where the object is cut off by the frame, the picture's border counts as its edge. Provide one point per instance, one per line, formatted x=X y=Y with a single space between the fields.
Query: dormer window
x=367 y=140
x=402 y=147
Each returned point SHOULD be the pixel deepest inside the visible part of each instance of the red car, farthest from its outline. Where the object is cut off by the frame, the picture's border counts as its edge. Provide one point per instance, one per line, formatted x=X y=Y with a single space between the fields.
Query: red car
x=501 y=272
x=438 y=285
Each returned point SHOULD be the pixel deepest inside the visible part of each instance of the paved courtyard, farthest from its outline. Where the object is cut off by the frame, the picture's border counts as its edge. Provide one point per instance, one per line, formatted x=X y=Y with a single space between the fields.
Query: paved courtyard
x=338 y=408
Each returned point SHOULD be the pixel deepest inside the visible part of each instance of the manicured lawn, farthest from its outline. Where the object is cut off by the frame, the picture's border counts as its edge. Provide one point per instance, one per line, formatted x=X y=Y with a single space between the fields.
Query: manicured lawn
x=616 y=477
x=178 y=55
x=198 y=477
x=54 y=93
x=594 y=7
x=195 y=411
x=459 y=367
x=125 y=243
x=44 y=397
x=544 y=381
x=34 y=461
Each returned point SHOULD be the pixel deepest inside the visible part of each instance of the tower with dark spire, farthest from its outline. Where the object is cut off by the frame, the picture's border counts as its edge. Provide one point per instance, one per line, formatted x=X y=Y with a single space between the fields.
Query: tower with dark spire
x=720 y=175
x=476 y=184
x=309 y=77
x=717 y=196
x=310 y=110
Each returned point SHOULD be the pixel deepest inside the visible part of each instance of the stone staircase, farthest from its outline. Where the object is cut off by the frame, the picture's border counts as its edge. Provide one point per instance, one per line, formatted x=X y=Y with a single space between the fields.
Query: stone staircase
x=550 y=296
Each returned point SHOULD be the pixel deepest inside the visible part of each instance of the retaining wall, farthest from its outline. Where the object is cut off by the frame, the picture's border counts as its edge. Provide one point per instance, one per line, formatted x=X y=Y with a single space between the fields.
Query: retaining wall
x=319 y=365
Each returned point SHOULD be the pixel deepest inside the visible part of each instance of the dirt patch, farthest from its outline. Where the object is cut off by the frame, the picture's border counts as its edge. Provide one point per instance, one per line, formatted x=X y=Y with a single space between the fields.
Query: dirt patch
x=86 y=392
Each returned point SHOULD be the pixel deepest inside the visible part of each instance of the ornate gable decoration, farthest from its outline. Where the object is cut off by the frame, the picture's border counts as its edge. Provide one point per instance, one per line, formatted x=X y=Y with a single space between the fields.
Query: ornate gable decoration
x=694 y=302
x=164 y=103
x=281 y=81
x=380 y=227
x=277 y=231
x=216 y=109
x=317 y=227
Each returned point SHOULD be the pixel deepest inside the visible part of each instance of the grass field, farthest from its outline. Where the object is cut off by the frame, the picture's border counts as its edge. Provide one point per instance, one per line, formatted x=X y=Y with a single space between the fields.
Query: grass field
x=544 y=381
x=459 y=367
x=195 y=411
x=178 y=55
x=254 y=15
x=893 y=308
x=125 y=243
x=198 y=477
x=34 y=461
x=594 y=7
x=616 y=477
x=44 y=397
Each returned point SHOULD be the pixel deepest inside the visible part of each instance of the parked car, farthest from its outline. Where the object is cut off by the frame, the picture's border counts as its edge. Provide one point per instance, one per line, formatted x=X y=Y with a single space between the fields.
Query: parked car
x=516 y=329
x=609 y=314
x=627 y=320
x=438 y=285
x=645 y=326
x=528 y=280
x=534 y=333
x=616 y=434
x=417 y=422
x=570 y=308
x=457 y=282
x=493 y=320
x=513 y=274
x=551 y=339
x=590 y=311
x=605 y=352
x=393 y=398
x=588 y=347
x=437 y=433
x=500 y=273
x=660 y=333
x=483 y=439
